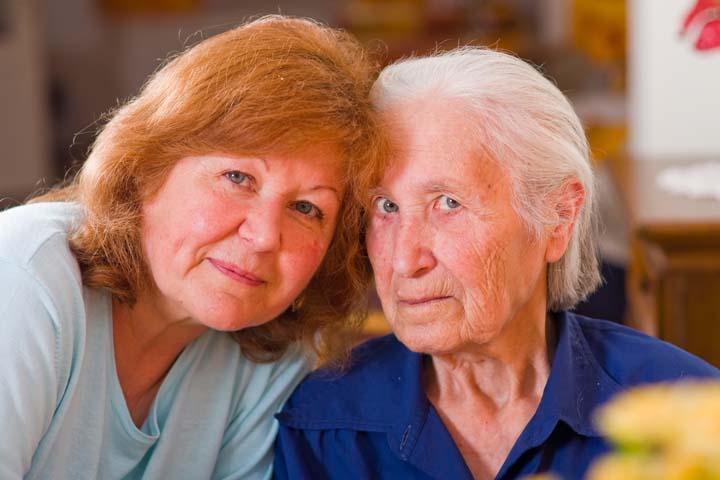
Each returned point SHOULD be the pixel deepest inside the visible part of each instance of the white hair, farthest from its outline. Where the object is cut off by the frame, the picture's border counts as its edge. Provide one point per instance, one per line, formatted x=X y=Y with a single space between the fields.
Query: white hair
x=526 y=125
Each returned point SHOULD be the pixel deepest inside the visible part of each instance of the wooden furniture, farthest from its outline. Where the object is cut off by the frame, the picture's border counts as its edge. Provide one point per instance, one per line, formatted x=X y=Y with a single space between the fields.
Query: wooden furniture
x=674 y=272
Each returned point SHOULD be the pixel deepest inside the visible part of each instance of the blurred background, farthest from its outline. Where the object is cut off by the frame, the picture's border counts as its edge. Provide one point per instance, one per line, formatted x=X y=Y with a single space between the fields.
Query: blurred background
x=649 y=97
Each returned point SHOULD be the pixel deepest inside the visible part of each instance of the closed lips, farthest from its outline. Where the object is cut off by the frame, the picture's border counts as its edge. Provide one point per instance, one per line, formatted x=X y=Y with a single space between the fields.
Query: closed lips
x=422 y=300
x=236 y=273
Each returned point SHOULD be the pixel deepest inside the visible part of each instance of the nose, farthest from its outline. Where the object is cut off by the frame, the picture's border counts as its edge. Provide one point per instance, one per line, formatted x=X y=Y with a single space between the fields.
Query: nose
x=412 y=255
x=262 y=228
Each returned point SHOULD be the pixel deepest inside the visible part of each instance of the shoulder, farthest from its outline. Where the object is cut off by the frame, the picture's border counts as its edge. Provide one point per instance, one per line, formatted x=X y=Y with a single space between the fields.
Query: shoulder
x=222 y=365
x=42 y=304
x=366 y=361
x=26 y=229
x=34 y=252
x=379 y=375
x=40 y=280
x=630 y=357
x=35 y=236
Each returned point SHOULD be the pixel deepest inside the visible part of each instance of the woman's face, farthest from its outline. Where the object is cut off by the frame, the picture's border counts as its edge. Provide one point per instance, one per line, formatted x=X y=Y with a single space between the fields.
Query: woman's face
x=232 y=241
x=454 y=264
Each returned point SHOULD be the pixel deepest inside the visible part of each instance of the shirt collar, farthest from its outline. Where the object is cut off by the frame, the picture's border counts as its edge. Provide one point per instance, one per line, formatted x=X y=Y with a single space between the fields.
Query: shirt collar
x=576 y=386
x=383 y=391
x=577 y=383
x=380 y=391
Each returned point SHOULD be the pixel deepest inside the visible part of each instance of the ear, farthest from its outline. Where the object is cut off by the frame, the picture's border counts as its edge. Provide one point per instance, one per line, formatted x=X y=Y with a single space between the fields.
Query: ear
x=568 y=199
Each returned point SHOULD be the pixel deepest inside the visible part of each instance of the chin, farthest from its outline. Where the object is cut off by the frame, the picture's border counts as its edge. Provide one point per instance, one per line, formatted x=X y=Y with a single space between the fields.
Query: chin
x=231 y=321
x=421 y=338
x=424 y=336
x=227 y=314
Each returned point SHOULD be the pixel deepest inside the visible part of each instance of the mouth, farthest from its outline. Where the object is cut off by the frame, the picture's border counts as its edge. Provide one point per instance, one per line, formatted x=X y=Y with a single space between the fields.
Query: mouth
x=421 y=301
x=236 y=273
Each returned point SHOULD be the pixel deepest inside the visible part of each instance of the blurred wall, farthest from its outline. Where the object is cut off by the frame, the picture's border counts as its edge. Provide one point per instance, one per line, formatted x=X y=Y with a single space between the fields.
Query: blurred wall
x=63 y=63
x=98 y=60
x=674 y=90
x=24 y=123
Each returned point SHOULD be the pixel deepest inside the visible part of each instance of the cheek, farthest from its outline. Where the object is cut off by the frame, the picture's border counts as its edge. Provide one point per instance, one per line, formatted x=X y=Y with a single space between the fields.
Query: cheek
x=490 y=273
x=305 y=257
x=209 y=218
x=199 y=223
x=380 y=252
x=379 y=246
x=477 y=259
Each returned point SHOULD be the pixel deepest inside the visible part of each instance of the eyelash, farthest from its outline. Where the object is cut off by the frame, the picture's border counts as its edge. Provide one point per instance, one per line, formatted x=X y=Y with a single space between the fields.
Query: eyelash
x=245 y=176
x=437 y=202
x=385 y=201
x=318 y=214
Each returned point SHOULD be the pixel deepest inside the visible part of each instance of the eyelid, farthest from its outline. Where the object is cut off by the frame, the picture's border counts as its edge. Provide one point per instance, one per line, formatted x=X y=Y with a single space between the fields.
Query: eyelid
x=444 y=195
x=318 y=213
x=246 y=176
x=377 y=208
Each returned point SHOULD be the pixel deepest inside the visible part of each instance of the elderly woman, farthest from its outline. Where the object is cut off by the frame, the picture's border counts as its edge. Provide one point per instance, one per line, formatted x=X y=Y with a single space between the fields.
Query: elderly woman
x=481 y=237
x=156 y=313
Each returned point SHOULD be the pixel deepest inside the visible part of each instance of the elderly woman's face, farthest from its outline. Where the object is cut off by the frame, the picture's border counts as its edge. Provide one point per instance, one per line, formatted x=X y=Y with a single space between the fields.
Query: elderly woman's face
x=232 y=241
x=454 y=264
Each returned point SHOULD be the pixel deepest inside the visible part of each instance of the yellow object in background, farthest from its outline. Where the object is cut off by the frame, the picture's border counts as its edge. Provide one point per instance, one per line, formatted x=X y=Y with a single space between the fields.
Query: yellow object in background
x=376 y=324
x=662 y=432
x=599 y=29
x=606 y=140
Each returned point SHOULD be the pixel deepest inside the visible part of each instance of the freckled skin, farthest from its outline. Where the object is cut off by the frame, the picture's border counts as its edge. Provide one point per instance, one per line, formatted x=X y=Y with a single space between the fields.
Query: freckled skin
x=200 y=216
x=479 y=255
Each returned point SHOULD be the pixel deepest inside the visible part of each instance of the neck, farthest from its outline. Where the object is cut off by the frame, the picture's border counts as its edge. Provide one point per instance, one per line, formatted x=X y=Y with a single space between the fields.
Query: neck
x=147 y=342
x=515 y=365
x=148 y=330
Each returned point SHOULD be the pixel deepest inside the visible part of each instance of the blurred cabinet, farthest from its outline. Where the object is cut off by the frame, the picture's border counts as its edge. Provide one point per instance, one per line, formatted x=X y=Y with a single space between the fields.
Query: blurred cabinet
x=674 y=271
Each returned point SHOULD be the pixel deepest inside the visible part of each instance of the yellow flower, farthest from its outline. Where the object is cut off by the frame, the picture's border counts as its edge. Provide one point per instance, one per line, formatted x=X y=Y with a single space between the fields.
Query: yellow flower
x=683 y=416
x=663 y=432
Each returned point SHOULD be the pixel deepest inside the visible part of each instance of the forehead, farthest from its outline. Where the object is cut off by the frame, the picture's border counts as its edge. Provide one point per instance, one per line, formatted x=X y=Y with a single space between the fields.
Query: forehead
x=437 y=142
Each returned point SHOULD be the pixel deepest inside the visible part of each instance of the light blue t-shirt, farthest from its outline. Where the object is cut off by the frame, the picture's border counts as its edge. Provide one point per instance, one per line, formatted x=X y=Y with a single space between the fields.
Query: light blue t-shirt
x=62 y=411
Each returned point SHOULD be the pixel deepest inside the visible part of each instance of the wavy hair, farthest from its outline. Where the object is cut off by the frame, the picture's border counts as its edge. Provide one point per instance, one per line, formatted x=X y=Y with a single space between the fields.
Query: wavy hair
x=270 y=86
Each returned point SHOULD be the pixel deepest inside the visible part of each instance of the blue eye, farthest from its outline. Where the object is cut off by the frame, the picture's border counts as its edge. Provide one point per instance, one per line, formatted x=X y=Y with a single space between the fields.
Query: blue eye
x=447 y=203
x=308 y=209
x=383 y=205
x=236 y=177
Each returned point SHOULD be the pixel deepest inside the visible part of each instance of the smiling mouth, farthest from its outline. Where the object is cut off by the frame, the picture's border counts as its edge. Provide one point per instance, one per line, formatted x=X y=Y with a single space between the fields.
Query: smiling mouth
x=235 y=273
x=422 y=301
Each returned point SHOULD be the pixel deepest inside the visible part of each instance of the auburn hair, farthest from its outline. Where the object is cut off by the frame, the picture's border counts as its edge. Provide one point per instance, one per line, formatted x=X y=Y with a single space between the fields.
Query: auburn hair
x=273 y=85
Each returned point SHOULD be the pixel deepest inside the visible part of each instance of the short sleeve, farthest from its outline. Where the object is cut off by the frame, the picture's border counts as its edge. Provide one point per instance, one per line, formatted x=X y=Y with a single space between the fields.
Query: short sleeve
x=29 y=351
x=247 y=450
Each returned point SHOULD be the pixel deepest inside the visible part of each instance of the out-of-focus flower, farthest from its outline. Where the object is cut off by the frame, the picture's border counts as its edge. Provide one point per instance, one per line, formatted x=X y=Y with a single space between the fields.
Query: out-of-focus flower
x=662 y=432
x=670 y=467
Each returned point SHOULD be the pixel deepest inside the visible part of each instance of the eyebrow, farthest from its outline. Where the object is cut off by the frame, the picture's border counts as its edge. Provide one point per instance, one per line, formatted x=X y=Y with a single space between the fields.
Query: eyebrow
x=430 y=186
x=433 y=186
x=375 y=191
x=312 y=189
x=326 y=187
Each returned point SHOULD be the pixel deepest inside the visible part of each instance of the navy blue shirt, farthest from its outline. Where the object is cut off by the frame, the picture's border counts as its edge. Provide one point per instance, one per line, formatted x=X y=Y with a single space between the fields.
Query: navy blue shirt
x=375 y=421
